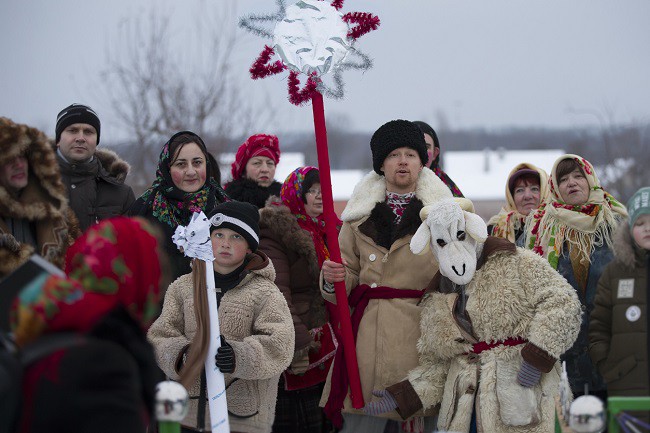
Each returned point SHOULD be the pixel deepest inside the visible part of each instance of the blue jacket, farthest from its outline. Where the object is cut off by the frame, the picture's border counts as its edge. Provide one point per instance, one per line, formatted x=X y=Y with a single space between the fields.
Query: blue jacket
x=580 y=369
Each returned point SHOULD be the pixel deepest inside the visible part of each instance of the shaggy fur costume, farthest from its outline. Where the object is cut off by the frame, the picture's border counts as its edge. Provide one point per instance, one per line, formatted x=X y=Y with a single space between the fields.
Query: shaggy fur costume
x=43 y=202
x=515 y=293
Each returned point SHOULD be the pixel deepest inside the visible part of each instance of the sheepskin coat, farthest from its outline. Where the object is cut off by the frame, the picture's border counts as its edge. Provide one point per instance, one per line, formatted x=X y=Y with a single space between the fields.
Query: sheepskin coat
x=378 y=254
x=96 y=189
x=255 y=320
x=291 y=249
x=514 y=293
x=42 y=203
x=618 y=330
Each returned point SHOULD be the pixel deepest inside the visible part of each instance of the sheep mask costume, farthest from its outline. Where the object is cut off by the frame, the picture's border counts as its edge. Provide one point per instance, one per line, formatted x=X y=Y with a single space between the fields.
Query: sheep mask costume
x=494 y=323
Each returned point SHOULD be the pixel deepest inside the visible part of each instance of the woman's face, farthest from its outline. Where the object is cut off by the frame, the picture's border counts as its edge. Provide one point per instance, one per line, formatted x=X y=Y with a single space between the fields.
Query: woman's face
x=526 y=195
x=261 y=169
x=432 y=150
x=314 y=201
x=188 y=170
x=641 y=231
x=574 y=188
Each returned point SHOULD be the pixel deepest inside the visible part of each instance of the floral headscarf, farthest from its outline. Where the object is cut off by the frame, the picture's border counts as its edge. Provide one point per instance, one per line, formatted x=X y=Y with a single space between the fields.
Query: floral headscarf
x=114 y=263
x=291 y=193
x=509 y=220
x=583 y=226
x=175 y=207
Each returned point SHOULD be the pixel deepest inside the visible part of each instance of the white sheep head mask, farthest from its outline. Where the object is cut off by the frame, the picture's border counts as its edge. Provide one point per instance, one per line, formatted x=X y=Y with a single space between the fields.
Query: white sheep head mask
x=454 y=236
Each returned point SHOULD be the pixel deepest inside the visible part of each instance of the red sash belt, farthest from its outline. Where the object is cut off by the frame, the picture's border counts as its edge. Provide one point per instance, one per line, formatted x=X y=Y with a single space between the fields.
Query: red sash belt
x=482 y=345
x=358 y=299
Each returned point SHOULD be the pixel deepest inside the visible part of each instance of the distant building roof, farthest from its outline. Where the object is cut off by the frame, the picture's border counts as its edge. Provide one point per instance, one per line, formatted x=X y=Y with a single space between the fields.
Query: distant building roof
x=481 y=175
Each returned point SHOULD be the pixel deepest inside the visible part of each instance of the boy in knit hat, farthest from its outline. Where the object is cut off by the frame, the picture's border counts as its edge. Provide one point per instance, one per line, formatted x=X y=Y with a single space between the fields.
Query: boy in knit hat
x=382 y=274
x=618 y=327
x=255 y=322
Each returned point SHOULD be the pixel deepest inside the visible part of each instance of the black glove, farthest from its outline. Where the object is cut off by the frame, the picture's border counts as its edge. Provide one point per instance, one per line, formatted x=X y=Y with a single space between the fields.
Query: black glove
x=225 y=357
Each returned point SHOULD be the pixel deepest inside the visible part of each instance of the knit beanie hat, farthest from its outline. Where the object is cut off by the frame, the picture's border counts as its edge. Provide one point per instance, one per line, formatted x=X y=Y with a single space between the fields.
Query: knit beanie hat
x=76 y=113
x=255 y=145
x=393 y=135
x=240 y=217
x=639 y=204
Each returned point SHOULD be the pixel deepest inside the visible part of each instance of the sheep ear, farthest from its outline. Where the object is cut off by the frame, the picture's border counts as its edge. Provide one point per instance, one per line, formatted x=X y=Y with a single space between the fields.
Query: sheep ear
x=424 y=212
x=420 y=240
x=475 y=227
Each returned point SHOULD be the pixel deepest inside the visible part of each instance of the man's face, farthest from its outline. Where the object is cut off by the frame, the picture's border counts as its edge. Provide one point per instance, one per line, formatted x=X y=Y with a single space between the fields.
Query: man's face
x=78 y=142
x=401 y=168
x=14 y=174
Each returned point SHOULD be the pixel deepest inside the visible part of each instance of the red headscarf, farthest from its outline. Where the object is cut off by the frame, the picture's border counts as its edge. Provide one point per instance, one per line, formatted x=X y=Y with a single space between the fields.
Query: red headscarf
x=256 y=145
x=291 y=194
x=114 y=263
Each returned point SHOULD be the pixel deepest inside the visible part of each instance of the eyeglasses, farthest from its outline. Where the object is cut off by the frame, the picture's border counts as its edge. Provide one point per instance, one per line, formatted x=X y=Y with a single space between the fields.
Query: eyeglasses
x=314 y=191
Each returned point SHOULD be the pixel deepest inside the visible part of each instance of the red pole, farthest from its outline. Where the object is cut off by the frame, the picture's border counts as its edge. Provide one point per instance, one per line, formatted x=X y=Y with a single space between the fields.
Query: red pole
x=349 y=347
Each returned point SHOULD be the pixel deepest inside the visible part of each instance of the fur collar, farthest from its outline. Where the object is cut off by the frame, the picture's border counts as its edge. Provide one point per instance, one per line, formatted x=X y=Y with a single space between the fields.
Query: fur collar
x=115 y=167
x=284 y=227
x=372 y=190
x=380 y=228
x=247 y=190
x=45 y=195
x=625 y=248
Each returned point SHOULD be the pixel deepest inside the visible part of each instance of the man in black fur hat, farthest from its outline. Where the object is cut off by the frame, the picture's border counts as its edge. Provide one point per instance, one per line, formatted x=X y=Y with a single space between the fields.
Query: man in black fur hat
x=382 y=274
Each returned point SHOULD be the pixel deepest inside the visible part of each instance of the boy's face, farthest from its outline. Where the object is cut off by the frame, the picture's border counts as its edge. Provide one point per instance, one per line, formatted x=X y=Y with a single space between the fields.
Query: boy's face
x=229 y=249
x=641 y=231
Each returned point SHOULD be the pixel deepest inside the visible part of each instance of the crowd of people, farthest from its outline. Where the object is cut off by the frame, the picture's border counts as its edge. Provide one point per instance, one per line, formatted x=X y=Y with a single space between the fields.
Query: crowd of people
x=571 y=259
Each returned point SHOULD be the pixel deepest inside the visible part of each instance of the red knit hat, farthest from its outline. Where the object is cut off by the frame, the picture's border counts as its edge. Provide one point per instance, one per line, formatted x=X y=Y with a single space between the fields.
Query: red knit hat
x=256 y=145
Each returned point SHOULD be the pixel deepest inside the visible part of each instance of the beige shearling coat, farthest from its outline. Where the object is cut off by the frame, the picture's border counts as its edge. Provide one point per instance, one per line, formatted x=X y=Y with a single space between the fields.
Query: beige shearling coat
x=255 y=320
x=389 y=328
x=513 y=294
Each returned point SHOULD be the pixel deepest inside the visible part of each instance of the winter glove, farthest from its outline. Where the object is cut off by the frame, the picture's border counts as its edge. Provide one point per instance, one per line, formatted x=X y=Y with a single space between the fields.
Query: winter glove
x=9 y=242
x=225 y=357
x=528 y=375
x=385 y=404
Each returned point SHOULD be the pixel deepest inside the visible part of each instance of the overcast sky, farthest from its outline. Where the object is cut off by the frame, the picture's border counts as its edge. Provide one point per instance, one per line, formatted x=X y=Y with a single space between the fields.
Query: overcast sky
x=489 y=64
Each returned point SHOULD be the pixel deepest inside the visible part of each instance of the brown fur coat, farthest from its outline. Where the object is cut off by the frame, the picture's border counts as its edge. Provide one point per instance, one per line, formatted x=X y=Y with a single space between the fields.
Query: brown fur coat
x=42 y=202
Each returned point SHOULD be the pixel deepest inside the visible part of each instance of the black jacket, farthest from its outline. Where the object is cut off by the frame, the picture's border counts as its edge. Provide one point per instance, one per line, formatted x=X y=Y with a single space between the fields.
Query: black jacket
x=96 y=189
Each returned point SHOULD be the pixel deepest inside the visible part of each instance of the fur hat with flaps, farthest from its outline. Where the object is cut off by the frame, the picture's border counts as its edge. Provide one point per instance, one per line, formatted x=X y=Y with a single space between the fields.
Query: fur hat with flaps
x=240 y=217
x=393 y=135
x=21 y=140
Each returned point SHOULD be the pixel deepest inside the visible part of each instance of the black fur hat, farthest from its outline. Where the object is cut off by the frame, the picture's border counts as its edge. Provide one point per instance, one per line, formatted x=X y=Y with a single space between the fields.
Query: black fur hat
x=393 y=135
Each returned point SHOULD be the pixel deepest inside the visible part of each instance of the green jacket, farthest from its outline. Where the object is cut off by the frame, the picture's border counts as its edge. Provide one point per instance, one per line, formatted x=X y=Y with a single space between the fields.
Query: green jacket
x=618 y=332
